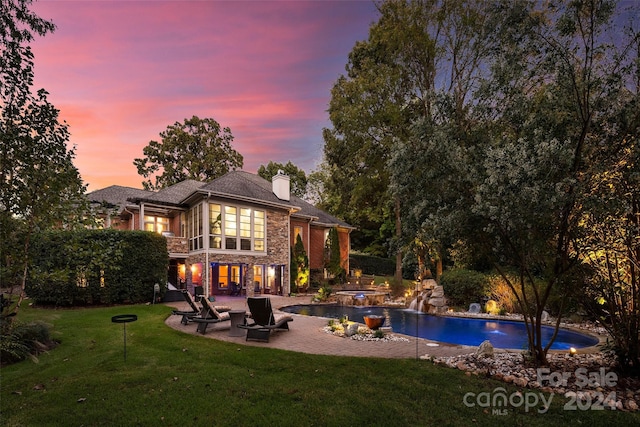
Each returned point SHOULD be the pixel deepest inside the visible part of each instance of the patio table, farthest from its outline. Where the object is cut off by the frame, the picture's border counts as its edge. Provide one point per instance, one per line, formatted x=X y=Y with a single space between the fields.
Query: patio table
x=237 y=318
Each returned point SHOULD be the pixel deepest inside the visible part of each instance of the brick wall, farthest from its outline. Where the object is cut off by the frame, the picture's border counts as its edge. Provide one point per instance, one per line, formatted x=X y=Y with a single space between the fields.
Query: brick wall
x=316 y=252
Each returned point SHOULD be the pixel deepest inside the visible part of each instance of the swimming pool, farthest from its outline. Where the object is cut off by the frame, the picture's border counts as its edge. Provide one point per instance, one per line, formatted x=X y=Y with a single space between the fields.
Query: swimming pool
x=452 y=330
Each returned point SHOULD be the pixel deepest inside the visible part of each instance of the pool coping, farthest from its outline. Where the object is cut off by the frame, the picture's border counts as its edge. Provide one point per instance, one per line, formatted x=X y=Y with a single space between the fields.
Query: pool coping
x=306 y=335
x=590 y=349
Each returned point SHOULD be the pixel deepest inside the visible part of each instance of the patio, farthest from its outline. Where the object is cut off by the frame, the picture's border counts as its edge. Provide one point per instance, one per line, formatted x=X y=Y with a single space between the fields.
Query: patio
x=306 y=335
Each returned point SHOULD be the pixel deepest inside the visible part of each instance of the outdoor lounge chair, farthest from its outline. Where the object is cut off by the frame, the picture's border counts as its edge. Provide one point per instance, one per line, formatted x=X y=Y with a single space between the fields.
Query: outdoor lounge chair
x=210 y=314
x=263 y=320
x=195 y=312
x=187 y=315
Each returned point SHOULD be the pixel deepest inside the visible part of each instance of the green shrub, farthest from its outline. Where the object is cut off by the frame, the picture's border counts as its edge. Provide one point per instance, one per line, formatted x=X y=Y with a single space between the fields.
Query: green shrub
x=12 y=349
x=25 y=340
x=323 y=293
x=87 y=267
x=372 y=264
x=463 y=287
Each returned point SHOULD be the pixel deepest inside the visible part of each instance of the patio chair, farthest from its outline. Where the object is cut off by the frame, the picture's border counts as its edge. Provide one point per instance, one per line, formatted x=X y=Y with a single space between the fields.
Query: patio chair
x=210 y=314
x=195 y=312
x=263 y=320
x=235 y=289
x=187 y=315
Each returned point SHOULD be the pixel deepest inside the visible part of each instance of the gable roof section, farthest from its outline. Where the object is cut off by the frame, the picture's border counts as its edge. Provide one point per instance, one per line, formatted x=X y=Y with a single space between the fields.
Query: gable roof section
x=175 y=194
x=318 y=216
x=253 y=188
x=117 y=195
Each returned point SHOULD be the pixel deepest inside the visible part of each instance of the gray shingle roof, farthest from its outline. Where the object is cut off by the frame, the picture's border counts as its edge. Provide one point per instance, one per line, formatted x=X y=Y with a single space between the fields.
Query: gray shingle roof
x=237 y=185
x=176 y=193
x=117 y=195
x=320 y=216
x=245 y=185
x=250 y=186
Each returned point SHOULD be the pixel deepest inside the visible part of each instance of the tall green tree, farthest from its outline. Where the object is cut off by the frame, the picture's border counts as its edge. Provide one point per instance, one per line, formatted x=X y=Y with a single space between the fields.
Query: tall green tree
x=297 y=176
x=514 y=170
x=332 y=255
x=196 y=149
x=612 y=291
x=300 y=260
x=388 y=84
x=431 y=157
x=542 y=164
x=612 y=223
x=39 y=186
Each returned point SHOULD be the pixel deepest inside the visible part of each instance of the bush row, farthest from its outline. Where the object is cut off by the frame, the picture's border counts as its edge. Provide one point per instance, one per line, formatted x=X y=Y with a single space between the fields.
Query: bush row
x=372 y=264
x=463 y=287
x=96 y=267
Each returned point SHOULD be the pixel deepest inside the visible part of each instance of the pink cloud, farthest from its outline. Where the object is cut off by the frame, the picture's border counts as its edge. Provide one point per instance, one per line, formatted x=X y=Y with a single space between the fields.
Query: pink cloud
x=121 y=72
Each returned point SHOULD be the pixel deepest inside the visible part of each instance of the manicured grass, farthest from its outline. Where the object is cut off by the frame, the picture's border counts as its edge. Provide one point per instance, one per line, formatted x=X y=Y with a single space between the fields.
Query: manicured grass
x=174 y=379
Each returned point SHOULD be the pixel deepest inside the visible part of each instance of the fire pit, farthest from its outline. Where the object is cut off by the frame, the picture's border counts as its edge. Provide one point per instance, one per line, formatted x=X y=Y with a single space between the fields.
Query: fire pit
x=374 y=322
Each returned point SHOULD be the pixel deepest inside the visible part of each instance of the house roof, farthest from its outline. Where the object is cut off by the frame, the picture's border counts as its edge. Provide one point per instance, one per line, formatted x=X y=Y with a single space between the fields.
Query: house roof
x=252 y=187
x=235 y=185
x=117 y=196
x=318 y=216
x=245 y=186
x=175 y=194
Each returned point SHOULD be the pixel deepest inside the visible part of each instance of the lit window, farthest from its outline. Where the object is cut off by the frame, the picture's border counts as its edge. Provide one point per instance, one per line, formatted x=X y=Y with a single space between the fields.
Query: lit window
x=236 y=228
x=156 y=223
x=230 y=221
x=257 y=276
x=258 y=231
x=215 y=226
x=194 y=228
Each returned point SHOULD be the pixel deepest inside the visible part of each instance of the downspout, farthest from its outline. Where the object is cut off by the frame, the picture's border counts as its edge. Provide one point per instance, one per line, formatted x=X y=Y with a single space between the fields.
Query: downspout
x=133 y=218
x=141 y=219
x=309 y=241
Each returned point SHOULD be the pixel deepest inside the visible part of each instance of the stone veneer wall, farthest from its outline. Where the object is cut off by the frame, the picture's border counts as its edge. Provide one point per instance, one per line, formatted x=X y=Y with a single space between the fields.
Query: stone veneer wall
x=278 y=249
x=277 y=252
x=177 y=245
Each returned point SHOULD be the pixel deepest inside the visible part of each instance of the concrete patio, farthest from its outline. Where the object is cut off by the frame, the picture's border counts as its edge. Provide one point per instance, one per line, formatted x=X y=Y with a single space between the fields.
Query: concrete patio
x=306 y=335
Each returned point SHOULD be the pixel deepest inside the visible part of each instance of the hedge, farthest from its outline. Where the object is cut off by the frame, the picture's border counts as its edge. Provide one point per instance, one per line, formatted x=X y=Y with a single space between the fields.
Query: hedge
x=372 y=264
x=96 y=267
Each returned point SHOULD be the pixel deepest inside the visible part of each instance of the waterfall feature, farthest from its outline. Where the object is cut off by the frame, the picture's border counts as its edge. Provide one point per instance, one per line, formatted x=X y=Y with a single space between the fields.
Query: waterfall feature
x=429 y=299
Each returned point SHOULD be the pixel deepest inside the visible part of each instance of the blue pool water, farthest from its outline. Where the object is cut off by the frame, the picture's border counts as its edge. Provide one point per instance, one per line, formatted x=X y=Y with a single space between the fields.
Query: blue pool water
x=453 y=330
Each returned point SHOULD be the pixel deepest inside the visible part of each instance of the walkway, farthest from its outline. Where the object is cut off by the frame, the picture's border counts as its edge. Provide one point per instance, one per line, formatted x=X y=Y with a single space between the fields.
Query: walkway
x=306 y=335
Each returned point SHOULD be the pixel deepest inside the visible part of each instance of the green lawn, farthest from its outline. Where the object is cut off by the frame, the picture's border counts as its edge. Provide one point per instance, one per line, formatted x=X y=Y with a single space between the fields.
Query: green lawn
x=173 y=379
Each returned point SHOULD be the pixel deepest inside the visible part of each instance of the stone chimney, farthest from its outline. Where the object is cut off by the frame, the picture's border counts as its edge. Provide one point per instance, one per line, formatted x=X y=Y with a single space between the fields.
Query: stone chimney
x=281 y=186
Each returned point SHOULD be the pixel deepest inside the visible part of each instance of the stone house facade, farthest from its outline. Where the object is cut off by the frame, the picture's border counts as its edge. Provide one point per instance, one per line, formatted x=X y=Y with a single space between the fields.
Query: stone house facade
x=228 y=236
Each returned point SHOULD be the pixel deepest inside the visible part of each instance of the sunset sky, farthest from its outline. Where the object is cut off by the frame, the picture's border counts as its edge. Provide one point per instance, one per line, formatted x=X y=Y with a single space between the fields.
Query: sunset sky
x=122 y=71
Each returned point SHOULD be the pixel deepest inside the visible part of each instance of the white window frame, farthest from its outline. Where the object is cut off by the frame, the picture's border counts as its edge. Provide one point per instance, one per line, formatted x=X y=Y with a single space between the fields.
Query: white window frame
x=224 y=225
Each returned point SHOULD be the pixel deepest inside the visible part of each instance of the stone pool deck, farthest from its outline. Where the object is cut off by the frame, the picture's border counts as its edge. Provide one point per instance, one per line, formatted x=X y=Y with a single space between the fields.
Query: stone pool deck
x=306 y=335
